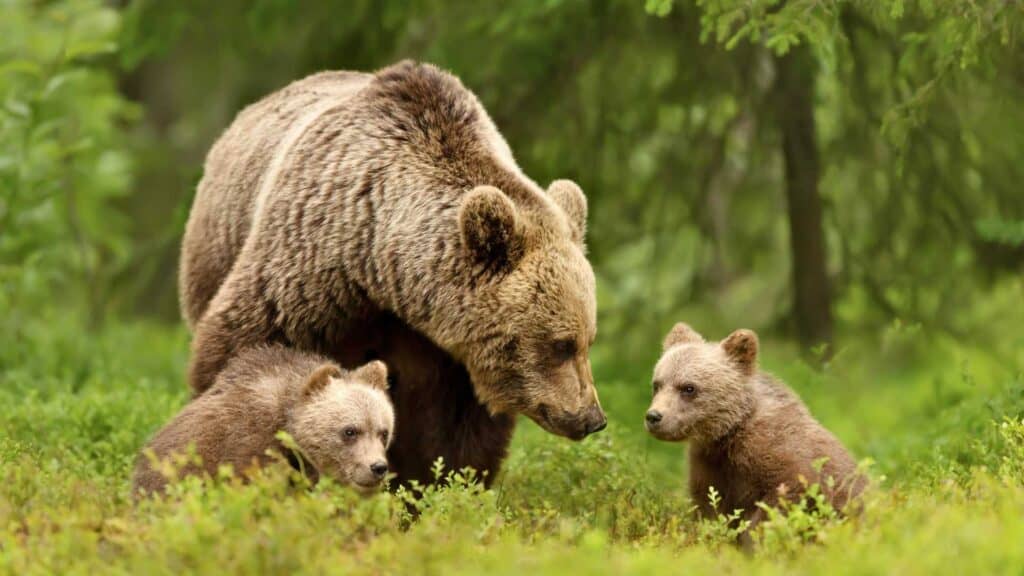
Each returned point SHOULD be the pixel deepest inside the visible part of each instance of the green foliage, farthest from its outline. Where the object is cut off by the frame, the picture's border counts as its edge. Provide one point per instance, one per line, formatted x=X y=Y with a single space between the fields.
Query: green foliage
x=73 y=418
x=556 y=486
x=726 y=527
x=914 y=107
x=795 y=524
x=1011 y=462
x=63 y=159
x=914 y=104
x=1001 y=232
x=667 y=113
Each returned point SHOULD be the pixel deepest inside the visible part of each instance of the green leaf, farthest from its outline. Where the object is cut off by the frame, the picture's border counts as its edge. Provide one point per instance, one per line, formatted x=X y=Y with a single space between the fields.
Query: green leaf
x=89 y=48
x=659 y=8
x=18 y=108
x=1008 y=232
x=21 y=66
x=54 y=84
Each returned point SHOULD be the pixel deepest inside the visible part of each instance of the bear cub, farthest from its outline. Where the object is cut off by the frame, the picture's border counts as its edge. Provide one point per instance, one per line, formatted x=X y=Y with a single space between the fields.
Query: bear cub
x=750 y=436
x=341 y=421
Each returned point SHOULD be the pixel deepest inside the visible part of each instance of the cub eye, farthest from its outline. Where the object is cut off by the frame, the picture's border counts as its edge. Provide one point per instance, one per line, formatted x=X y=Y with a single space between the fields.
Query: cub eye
x=564 y=349
x=350 y=432
x=688 y=389
x=656 y=385
x=384 y=437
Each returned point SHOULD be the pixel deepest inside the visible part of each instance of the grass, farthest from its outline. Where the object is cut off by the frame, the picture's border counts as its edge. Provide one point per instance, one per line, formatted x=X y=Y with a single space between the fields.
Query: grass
x=940 y=418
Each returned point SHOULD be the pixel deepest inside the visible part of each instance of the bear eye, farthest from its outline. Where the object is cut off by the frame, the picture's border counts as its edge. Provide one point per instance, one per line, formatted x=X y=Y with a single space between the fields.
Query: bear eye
x=688 y=389
x=349 y=432
x=656 y=385
x=384 y=437
x=564 y=349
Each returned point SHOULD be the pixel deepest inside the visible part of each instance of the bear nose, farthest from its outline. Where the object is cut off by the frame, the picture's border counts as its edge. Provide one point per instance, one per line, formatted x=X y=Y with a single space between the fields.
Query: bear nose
x=379 y=469
x=596 y=420
x=597 y=426
x=653 y=416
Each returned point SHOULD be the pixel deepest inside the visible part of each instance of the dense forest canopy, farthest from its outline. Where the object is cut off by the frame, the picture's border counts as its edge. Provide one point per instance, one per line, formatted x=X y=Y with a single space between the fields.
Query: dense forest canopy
x=803 y=167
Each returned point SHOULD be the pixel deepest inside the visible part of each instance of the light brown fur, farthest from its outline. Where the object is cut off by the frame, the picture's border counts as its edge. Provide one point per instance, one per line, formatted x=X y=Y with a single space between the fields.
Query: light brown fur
x=341 y=421
x=750 y=436
x=346 y=196
x=432 y=395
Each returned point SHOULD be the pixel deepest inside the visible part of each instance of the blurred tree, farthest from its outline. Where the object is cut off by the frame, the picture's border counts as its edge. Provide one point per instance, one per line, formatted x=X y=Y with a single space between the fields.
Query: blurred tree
x=902 y=173
x=812 y=301
x=63 y=159
x=693 y=155
x=805 y=166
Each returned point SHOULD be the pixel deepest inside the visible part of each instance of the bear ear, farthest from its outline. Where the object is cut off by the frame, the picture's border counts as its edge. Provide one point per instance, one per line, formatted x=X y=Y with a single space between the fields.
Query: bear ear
x=681 y=333
x=490 y=228
x=741 y=348
x=374 y=374
x=319 y=379
x=569 y=197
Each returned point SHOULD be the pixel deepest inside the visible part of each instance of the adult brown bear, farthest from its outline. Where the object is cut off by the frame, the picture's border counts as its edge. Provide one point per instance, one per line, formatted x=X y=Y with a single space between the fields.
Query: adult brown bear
x=363 y=215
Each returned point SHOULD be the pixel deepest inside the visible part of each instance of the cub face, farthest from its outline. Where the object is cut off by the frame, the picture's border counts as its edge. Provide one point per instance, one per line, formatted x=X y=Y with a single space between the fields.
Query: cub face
x=701 y=390
x=536 y=312
x=344 y=423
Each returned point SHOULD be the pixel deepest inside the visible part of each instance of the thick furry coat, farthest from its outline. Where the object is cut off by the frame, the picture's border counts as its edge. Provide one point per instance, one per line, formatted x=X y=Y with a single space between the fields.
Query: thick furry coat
x=346 y=201
x=750 y=436
x=267 y=389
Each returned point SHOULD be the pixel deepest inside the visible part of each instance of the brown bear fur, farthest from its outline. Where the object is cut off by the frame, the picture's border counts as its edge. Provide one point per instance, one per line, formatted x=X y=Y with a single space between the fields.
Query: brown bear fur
x=750 y=436
x=346 y=203
x=342 y=422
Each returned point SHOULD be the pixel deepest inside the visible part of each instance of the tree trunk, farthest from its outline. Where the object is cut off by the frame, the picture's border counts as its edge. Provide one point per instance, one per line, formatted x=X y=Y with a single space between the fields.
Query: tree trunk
x=812 y=301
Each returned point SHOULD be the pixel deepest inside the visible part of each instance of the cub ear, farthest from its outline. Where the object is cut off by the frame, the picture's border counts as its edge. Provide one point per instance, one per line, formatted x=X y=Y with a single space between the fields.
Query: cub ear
x=374 y=374
x=679 y=334
x=569 y=197
x=741 y=348
x=490 y=228
x=319 y=379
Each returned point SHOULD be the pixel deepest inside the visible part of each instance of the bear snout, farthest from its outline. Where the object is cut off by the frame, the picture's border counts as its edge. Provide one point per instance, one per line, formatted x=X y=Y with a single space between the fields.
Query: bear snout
x=596 y=420
x=653 y=417
x=575 y=426
x=379 y=469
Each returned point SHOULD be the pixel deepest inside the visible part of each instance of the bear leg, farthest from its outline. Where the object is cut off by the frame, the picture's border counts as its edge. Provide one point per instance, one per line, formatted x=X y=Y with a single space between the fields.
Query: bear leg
x=238 y=317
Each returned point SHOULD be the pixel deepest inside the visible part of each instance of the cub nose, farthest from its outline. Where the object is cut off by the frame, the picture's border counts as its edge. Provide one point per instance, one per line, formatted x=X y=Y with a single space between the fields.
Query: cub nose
x=653 y=417
x=379 y=469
